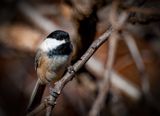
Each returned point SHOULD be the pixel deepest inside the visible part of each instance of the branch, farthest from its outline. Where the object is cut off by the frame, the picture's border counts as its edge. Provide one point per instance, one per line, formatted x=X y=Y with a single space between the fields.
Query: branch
x=129 y=39
x=105 y=84
x=138 y=61
x=117 y=80
x=37 y=18
x=146 y=11
x=59 y=85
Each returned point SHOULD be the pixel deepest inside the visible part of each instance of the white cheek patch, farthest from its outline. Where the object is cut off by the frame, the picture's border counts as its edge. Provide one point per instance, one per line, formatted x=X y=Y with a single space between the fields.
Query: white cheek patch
x=50 y=43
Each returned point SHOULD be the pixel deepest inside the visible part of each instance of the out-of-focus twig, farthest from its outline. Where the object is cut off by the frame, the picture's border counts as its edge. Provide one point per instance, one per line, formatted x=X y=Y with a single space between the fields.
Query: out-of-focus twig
x=117 y=105
x=105 y=84
x=141 y=68
x=117 y=24
x=146 y=11
x=117 y=80
x=38 y=19
x=138 y=60
x=134 y=51
x=117 y=21
x=70 y=74
x=47 y=9
x=130 y=43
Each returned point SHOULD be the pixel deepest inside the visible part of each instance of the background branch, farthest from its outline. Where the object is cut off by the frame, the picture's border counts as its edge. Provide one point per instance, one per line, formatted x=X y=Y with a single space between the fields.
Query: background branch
x=105 y=84
x=34 y=16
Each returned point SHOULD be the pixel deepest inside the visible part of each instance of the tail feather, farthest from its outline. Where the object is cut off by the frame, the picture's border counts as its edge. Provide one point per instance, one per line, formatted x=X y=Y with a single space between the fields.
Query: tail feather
x=36 y=96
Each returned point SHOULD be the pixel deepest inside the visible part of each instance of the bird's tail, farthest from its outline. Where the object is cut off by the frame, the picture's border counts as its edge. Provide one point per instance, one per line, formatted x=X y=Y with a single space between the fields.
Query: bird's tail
x=36 y=96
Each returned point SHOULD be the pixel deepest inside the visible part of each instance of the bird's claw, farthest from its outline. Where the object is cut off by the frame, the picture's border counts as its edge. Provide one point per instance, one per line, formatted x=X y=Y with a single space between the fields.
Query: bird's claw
x=71 y=69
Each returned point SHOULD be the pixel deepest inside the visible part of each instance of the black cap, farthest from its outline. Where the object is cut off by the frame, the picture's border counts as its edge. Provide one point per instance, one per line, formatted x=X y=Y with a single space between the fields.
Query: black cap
x=59 y=35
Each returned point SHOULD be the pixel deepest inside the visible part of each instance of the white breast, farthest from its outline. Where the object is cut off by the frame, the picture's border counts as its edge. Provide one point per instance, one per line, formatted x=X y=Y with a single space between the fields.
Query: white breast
x=50 y=43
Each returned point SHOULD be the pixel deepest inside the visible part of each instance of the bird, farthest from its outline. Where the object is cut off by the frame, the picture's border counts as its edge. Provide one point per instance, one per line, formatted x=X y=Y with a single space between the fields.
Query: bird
x=52 y=58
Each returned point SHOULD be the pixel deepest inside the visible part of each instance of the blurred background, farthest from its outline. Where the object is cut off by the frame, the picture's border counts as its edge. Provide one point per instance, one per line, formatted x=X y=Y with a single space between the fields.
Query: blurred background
x=131 y=82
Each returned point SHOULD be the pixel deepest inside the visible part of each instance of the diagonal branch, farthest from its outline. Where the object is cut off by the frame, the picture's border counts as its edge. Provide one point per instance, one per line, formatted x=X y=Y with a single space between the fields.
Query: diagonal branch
x=138 y=60
x=33 y=15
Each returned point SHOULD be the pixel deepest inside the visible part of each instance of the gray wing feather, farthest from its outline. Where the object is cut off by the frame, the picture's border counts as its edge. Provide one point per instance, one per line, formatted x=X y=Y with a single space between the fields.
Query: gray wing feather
x=37 y=59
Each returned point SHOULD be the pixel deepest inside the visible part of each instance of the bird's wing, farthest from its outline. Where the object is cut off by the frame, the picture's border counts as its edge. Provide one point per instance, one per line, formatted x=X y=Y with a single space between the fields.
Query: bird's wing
x=37 y=59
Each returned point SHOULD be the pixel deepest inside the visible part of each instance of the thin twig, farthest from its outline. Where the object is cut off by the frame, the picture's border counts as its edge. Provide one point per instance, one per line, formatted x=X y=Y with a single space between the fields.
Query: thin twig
x=146 y=11
x=117 y=23
x=141 y=68
x=105 y=84
x=138 y=60
x=38 y=19
x=117 y=80
x=135 y=54
x=117 y=105
x=50 y=9
x=70 y=74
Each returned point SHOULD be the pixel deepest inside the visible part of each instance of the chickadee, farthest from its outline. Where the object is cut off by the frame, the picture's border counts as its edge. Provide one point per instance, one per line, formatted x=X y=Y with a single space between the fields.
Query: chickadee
x=52 y=58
